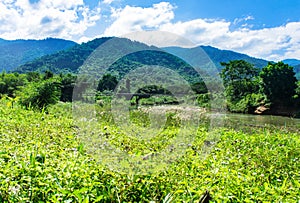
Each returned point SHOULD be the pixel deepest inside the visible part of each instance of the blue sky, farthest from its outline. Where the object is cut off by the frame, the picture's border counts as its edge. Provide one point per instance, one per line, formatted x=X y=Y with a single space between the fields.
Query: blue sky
x=268 y=29
x=266 y=12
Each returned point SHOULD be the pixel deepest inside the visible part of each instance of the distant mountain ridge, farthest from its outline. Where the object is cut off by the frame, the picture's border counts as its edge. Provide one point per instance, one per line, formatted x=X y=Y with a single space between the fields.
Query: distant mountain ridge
x=70 y=60
x=64 y=56
x=216 y=55
x=292 y=62
x=14 y=53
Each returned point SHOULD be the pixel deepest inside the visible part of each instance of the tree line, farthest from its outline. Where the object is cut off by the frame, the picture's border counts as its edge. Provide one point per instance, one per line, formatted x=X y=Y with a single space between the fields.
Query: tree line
x=36 y=90
x=246 y=87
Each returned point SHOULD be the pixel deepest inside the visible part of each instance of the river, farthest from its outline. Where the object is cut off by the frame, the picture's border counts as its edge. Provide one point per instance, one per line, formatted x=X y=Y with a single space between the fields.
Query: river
x=241 y=121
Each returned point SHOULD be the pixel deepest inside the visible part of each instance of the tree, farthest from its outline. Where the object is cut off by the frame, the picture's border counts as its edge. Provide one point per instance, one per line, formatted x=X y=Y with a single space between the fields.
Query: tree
x=48 y=74
x=67 y=86
x=239 y=78
x=298 y=89
x=10 y=83
x=279 y=83
x=33 y=76
x=199 y=87
x=107 y=82
x=297 y=95
x=241 y=86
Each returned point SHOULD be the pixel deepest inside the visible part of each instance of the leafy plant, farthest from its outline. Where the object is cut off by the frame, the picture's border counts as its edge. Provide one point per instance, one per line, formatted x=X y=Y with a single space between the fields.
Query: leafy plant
x=40 y=95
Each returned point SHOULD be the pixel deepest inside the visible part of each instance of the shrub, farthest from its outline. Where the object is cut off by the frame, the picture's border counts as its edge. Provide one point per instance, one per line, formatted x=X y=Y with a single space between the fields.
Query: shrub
x=39 y=95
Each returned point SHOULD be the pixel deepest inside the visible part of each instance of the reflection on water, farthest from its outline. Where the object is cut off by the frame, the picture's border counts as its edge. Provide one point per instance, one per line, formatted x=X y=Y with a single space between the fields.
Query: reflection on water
x=242 y=121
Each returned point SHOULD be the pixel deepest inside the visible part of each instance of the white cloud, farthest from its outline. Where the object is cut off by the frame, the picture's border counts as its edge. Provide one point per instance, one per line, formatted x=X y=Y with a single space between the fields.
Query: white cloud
x=200 y=31
x=56 y=18
x=70 y=19
x=107 y=1
x=131 y=19
x=239 y=20
x=269 y=43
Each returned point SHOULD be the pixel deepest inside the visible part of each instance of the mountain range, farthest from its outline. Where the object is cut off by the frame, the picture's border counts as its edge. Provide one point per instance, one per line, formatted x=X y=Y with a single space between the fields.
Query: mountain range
x=60 y=55
x=215 y=55
x=14 y=53
x=292 y=62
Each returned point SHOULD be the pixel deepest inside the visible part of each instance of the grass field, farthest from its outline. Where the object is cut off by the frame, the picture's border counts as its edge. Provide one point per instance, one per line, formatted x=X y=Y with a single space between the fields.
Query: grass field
x=43 y=159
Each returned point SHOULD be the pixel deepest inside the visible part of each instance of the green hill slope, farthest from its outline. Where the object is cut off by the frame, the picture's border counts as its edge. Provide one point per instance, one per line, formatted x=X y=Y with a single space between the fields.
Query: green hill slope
x=70 y=60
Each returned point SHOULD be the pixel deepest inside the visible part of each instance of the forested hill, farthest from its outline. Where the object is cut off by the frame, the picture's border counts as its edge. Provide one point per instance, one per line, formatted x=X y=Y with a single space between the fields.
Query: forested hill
x=292 y=62
x=217 y=55
x=70 y=60
x=64 y=61
x=14 y=53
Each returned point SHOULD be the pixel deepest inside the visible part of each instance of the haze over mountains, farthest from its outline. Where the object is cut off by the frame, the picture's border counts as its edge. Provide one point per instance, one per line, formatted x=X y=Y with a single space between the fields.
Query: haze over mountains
x=60 y=55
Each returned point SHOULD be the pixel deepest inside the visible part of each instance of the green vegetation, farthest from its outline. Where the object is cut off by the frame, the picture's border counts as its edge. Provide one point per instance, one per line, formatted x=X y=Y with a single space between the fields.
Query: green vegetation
x=40 y=94
x=9 y=83
x=70 y=60
x=155 y=58
x=64 y=61
x=217 y=56
x=247 y=80
x=279 y=83
x=42 y=158
x=35 y=90
x=247 y=88
x=107 y=82
x=241 y=85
